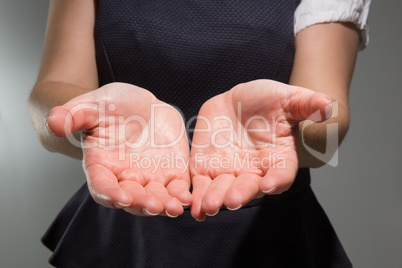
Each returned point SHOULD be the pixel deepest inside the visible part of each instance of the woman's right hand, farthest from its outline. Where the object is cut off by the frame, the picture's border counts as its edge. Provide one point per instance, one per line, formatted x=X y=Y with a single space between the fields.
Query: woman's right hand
x=135 y=148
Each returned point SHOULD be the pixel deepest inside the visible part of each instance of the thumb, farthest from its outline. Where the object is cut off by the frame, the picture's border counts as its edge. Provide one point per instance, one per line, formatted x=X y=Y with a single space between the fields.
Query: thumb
x=66 y=119
x=307 y=104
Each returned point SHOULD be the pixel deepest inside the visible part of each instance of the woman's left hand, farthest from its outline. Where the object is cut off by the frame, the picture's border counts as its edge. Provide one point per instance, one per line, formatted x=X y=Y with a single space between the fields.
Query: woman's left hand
x=244 y=143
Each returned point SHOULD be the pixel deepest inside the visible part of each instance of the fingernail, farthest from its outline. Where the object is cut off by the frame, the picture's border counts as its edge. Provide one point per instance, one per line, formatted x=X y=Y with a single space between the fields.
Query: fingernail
x=328 y=109
x=185 y=205
x=260 y=195
x=147 y=213
x=233 y=209
x=200 y=220
x=47 y=118
x=270 y=191
x=211 y=215
x=121 y=205
x=170 y=216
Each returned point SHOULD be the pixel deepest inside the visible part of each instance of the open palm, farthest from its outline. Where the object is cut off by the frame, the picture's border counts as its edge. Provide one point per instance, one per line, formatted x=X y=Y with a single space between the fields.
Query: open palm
x=135 y=149
x=244 y=143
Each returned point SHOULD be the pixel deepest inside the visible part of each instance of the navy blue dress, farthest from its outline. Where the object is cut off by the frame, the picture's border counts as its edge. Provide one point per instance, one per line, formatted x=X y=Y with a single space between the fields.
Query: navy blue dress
x=185 y=52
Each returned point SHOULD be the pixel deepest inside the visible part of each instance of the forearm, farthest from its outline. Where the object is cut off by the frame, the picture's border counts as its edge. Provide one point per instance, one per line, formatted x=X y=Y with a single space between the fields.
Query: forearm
x=45 y=96
x=68 y=67
x=324 y=62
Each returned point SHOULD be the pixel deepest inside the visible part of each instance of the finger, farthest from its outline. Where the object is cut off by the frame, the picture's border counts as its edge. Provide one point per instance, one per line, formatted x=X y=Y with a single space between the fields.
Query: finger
x=64 y=120
x=171 y=205
x=105 y=189
x=180 y=189
x=242 y=190
x=279 y=178
x=132 y=175
x=143 y=204
x=305 y=104
x=213 y=198
x=200 y=186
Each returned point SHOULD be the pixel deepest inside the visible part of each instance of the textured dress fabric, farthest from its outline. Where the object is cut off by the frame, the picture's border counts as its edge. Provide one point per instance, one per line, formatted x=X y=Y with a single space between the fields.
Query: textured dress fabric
x=185 y=52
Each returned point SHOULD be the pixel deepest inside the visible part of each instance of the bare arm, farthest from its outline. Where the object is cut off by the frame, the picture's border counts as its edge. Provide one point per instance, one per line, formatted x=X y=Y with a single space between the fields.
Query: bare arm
x=68 y=67
x=324 y=62
x=67 y=79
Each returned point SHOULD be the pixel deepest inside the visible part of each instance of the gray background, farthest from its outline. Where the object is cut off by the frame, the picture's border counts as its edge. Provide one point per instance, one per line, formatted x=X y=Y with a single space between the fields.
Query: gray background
x=362 y=196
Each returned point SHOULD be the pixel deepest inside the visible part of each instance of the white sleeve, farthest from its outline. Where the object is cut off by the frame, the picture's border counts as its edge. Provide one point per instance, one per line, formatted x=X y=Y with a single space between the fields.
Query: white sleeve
x=310 y=12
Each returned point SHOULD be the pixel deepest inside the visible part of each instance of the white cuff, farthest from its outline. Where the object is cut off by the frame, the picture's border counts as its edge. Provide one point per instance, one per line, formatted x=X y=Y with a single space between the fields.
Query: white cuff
x=310 y=12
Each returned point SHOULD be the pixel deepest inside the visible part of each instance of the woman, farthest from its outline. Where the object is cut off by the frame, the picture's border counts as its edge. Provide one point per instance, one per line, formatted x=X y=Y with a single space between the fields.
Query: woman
x=112 y=73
